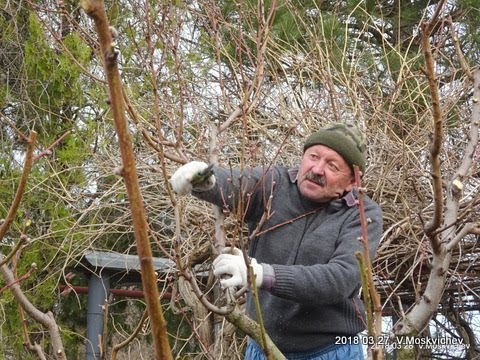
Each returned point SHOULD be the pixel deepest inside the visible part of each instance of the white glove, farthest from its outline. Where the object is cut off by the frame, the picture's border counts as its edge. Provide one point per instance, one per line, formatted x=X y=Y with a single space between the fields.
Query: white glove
x=181 y=180
x=233 y=264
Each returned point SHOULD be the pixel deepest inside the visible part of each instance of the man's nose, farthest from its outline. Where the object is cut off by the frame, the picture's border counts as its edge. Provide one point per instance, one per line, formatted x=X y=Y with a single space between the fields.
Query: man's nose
x=319 y=168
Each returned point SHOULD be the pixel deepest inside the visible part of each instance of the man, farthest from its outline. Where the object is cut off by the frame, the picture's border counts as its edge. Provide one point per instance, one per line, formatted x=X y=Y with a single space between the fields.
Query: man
x=306 y=229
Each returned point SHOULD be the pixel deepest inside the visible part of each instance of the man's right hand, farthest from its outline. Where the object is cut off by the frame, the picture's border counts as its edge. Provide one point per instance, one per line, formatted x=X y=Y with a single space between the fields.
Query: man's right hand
x=195 y=175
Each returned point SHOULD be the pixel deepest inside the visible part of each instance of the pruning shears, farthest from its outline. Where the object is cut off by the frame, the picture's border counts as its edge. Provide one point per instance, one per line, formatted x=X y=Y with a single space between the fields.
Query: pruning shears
x=203 y=175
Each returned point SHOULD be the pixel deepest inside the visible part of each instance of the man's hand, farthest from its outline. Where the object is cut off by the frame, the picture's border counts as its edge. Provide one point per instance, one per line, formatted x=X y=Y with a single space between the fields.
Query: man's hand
x=195 y=175
x=232 y=263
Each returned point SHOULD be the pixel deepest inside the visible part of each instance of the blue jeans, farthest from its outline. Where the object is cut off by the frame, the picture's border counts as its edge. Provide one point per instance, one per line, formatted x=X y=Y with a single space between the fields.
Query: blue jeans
x=331 y=352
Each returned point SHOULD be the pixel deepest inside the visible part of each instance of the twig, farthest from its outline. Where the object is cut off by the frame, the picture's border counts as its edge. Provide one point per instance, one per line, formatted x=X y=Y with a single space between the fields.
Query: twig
x=158 y=148
x=288 y=221
x=18 y=280
x=20 y=134
x=117 y=347
x=47 y=151
x=458 y=50
x=18 y=245
x=374 y=319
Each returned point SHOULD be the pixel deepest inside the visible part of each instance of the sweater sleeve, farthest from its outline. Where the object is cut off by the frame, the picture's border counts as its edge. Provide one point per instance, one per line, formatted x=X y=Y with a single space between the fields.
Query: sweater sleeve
x=247 y=189
x=339 y=278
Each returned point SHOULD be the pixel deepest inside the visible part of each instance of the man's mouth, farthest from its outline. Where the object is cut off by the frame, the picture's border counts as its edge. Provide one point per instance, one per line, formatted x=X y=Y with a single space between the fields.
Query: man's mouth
x=319 y=180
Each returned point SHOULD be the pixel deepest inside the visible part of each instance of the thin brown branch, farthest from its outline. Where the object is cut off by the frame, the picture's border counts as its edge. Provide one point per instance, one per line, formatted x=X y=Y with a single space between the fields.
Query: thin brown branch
x=18 y=280
x=366 y=266
x=436 y=14
x=288 y=221
x=16 y=248
x=96 y=10
x=49 y=148
x=21 y=186
x=20 y=134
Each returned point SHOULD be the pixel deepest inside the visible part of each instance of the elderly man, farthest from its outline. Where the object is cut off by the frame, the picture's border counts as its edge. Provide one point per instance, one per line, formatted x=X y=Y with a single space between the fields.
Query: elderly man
x=306 y=229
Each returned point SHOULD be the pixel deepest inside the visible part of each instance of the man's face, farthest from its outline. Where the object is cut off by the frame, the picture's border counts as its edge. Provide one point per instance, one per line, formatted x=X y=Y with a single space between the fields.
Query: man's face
x=324 y=175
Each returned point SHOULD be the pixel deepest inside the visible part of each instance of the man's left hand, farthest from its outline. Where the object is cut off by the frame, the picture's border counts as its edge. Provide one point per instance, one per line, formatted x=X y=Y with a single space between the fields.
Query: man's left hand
x=232 y=263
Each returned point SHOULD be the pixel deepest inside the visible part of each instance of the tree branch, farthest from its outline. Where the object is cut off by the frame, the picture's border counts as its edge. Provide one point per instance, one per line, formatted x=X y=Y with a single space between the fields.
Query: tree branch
x=96 y=10
x=252 y=328
x=46 y=319
x=437 y=139
x=21 y=186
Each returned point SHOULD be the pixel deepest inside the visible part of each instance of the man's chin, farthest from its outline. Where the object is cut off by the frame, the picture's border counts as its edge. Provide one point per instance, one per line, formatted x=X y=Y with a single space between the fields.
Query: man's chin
x=314 y=196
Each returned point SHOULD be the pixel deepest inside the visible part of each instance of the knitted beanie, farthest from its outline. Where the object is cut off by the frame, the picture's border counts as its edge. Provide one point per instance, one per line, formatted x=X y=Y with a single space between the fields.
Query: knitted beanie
x=347 y=140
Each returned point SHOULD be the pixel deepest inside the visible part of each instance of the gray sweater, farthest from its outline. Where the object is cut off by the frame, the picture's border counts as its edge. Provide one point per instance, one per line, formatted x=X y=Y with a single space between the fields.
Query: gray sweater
x=311 y=248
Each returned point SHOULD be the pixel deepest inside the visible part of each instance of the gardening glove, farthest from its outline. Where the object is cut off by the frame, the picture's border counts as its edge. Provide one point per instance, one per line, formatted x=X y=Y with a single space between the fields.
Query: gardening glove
x=195 y=175
x=232 y=263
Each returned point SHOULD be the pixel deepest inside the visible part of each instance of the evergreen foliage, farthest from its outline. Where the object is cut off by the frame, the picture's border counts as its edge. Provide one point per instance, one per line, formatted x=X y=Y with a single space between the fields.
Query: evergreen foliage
x=186 y=67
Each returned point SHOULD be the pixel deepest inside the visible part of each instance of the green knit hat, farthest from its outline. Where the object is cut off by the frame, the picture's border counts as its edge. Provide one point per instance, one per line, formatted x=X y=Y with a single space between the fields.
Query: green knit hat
x=347 y=140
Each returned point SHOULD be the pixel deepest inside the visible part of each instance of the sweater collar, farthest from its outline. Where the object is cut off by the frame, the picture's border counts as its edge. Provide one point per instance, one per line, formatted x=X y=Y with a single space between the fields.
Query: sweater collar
x=349 y=198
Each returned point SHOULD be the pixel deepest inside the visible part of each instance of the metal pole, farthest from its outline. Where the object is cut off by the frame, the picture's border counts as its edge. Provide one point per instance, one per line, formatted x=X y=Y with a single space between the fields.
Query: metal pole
x=98 y=286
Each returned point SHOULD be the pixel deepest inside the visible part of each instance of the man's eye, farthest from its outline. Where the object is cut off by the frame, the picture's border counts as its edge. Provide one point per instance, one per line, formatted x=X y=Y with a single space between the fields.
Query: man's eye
x=333 y=167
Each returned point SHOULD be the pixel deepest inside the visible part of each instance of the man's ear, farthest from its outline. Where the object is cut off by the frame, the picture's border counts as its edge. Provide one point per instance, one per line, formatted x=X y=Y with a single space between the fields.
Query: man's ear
x=351 y=184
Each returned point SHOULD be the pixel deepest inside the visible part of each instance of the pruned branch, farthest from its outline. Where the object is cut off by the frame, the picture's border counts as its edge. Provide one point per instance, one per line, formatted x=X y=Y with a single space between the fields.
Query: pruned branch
x=239 y=319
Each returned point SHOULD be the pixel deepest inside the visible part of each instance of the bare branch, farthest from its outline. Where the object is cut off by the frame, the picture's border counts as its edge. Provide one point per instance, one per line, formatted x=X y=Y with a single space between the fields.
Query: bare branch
x=437 y=139
x=46 y=319
x=96 y=10
x=21 y=186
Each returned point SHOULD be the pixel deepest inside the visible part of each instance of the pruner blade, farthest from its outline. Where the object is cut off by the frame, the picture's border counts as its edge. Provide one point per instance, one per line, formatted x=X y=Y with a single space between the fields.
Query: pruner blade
x=203 y=175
